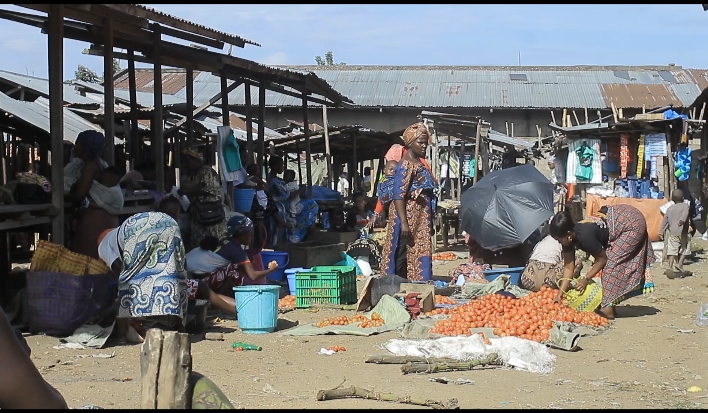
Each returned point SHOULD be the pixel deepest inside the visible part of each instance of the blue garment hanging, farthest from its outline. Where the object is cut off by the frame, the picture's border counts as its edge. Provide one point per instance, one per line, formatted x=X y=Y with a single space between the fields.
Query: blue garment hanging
x=232 y=154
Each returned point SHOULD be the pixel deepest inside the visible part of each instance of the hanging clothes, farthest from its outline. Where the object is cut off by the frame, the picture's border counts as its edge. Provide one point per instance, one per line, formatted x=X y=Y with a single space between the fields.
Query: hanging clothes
x=572 y=161
x=236 y=176
x=585 y=154
x=654 y=145
x=624 y=157
x=640 y=156
x=232 y=153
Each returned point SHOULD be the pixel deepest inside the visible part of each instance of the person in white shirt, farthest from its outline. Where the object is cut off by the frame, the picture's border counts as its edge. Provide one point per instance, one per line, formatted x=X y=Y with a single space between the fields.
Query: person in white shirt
x=545 y=266
x=447 y=175
x=343 y=185
x=552 y=166
x=366 y=185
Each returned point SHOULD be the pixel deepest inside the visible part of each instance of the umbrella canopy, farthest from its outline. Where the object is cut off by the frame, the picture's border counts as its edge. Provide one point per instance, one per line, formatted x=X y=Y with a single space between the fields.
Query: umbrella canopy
x=505 y=207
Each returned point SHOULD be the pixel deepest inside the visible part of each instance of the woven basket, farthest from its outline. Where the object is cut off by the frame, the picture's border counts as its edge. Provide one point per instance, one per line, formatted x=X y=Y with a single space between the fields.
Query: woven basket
x=45 y=257
x=589 y=300
x=97 y=267
x=72 y=263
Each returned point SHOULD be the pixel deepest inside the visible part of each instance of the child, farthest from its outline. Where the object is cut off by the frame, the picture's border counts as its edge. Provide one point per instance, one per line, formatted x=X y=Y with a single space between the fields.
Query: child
x=293 y=187
x=674 y=231
x=110 y=177
x=360 y=218
x=383 y=192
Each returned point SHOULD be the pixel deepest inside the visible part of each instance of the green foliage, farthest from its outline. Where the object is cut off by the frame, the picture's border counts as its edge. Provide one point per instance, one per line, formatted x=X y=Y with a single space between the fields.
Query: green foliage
x=328 y=60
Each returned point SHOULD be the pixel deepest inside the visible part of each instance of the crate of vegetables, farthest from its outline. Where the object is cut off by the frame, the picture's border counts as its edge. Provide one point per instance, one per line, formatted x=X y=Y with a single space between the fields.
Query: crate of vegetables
x=325 y=285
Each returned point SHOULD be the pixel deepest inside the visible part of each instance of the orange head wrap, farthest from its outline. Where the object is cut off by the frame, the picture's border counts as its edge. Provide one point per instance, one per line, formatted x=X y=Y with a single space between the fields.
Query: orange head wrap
x=415 y=131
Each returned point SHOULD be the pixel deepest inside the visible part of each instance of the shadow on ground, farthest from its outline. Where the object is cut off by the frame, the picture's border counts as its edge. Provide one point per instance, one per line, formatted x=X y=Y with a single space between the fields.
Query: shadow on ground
x=631 y=311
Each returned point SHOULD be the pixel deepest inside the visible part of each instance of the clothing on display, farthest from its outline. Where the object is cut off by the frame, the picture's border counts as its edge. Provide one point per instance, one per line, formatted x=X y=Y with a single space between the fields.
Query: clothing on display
x=624 y=155
x=654 y=145
x=236 y=176
x=573 y=167
x=640 y=156
x=232 y=153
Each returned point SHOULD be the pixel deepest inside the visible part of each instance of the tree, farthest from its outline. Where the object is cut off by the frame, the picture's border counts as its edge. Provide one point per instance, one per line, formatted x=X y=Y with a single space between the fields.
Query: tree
x=328 y=60
x=90 y=76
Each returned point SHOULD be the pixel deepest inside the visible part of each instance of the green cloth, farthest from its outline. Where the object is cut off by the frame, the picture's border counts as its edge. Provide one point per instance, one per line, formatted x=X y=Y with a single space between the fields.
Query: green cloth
x=585 y=154
x=394 y=314
x=206 y=395
x=473 y=167
x=232 y=154
x=501 y=283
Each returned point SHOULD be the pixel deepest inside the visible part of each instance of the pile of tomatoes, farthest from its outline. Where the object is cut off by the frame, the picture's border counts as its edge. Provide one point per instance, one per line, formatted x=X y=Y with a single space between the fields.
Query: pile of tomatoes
x=441 y=299
x=444 y=256
x=337 y=349
x=287 y=302
x=530 y=317
x=342 y=320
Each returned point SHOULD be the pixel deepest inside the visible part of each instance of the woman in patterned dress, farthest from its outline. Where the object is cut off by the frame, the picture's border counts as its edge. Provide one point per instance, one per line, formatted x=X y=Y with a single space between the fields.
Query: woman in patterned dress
x=617 y=237
x=307 y=208
x=147 y=253
x=201 y=183
x=408 y=249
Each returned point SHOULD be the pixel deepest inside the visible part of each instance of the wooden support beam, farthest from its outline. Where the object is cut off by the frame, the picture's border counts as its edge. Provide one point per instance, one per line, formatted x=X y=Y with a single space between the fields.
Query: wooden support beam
x=226 y=121
x=56 y=115
x=261 y=124
x=108 y=95
x=190 y=107
x=165 y=367
x=328 y=151
x=134 y=127
x=190 y=37
x=203 y=107
x=587 y=116
x=308 y=149
x=249 y=121
x=157 y=138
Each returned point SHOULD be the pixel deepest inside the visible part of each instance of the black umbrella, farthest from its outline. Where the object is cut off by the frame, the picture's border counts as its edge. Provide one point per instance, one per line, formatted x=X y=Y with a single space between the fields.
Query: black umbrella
x=505 y=207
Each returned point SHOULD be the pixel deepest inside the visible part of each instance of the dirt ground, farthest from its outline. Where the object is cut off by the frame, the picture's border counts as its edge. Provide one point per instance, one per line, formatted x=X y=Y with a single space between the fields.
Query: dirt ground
x=642 y=361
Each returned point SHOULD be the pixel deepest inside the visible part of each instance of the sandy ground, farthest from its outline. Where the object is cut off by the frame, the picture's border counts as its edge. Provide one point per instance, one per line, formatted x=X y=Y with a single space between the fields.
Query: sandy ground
x=643 y=361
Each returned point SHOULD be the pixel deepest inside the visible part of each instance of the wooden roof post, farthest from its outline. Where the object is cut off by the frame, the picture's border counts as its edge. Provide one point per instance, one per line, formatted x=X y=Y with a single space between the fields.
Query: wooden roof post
x=226 y=121
x=56 y=115
x=157 y=139
x=308 y=151
x=477 y=143
x=134 y=137
x=328 y=152
x=249 y=120
x=190 y=107
x=261 y=123
x=109 y=152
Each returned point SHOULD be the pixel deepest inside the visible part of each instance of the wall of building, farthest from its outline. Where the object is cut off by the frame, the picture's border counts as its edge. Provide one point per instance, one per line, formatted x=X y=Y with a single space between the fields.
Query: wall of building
x=393 y=119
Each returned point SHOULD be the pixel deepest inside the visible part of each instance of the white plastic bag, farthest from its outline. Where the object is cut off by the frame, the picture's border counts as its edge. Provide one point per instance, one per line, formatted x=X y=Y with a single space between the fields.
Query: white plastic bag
x=702 y=316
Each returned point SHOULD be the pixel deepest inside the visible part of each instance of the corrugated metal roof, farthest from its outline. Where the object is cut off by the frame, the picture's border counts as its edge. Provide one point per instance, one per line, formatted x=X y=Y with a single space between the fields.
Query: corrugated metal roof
x=212 y=123
x=173 y=80
x=41 y=86
x=145 y=99
x=499 y=137
x=485 y=87
x=37 y=114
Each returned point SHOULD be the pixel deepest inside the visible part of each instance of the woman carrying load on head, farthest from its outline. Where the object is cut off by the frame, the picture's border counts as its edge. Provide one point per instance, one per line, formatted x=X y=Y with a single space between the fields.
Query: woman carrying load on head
x=408 y=249
x=617 y=238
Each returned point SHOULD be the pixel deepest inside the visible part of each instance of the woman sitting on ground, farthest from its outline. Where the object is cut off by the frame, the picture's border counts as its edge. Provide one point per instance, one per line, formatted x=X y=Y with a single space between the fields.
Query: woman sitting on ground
x=233 y=267
x=617 y=238
x=147 y=253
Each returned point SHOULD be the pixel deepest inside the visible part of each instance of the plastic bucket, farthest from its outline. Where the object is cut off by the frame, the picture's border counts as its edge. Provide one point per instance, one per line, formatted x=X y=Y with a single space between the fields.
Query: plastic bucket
x=281 y=258
x=513 y=273
x=243 y=199
x=290 y=274
x=257 y=308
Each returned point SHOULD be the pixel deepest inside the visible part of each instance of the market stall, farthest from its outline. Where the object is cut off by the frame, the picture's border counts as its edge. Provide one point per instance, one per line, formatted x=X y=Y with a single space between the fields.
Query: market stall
x=636 y=161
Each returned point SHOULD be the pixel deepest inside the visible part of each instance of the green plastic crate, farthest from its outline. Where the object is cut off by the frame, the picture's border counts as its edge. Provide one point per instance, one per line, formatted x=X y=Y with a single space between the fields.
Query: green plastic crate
x=325 y=285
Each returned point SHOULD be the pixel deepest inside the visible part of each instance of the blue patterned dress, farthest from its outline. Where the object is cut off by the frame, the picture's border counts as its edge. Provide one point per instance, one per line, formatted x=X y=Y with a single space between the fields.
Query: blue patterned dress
x=413 y=183
x=154 y=280
x=306 y=216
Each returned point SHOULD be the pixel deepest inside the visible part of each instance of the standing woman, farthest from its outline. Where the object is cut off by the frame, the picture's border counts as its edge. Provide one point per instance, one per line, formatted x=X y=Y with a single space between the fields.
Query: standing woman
x=307 y=208
x=92 y=219
x=617 y=237
x=407 y=251
x=202 y=185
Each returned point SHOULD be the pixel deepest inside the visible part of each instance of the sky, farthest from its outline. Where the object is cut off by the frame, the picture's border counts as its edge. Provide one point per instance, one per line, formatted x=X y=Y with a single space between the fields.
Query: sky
x=417 y=35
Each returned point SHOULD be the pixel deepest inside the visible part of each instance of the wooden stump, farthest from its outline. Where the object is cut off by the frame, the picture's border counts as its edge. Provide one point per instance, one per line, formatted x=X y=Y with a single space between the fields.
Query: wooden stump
x=166 y=365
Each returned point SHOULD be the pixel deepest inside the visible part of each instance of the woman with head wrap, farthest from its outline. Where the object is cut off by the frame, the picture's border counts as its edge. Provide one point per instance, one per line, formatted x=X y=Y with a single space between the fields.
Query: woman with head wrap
x=306 y=209
x=407 y=251
x=202 y=185
x=95 y=216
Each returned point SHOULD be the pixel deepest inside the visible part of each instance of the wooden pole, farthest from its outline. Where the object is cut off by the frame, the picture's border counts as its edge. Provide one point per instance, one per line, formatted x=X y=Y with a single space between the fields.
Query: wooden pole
x=577 y=121
x=553 y=116
x=157 y=141
x=644 y=108
x=261 y=123
x=165 y=367
x=540 y=135
x=565 y=118
x=190 y=107
x=299 y=159
x=507 y=127
x=587 y=117
x=226 y=121
x=354 y=173
x=56 y=115
x=703 y=110
x=460 y=170
x=249 y=121
x=134 y=131
x=328 y=153
x=308 y=150
x=614 y=111
x=477 y=143
x=109 y=125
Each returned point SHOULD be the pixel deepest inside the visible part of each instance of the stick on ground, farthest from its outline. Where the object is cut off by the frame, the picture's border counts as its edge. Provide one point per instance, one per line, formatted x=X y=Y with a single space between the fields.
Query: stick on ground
x=427 y=368
x=387 y=359
x=360 y=393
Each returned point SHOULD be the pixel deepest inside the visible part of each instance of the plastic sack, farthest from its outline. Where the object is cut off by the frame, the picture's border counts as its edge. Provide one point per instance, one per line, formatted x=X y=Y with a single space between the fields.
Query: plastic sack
x=702 y=316
x=349 y=262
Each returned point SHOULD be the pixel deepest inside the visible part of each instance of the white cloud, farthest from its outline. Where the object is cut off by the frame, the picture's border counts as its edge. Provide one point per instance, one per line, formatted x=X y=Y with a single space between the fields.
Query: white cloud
x=19 y=45
x=279 y=58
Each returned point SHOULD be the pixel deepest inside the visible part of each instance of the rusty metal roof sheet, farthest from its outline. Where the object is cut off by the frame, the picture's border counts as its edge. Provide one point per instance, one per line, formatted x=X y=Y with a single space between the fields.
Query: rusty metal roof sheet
x=172 y=80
